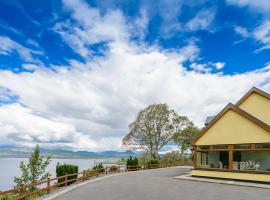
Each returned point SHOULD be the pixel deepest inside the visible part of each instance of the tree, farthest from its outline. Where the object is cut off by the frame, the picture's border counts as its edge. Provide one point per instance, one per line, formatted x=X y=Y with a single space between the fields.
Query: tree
x=153 y=128
x=34 y=171
x=184 y=139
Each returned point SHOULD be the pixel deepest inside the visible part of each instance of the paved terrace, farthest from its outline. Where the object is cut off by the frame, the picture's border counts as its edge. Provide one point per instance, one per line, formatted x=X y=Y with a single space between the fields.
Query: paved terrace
x=159 y=185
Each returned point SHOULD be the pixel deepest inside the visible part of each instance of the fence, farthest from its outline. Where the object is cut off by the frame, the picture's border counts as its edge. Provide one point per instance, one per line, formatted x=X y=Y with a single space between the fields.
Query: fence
x=45 y=187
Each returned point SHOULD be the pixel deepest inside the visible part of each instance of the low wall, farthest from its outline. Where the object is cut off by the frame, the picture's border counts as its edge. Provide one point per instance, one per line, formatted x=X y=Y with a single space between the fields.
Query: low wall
x=232 y=175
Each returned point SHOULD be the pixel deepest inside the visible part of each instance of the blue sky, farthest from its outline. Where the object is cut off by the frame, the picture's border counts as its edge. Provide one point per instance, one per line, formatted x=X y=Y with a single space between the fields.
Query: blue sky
x=82 y=69
x=31 y=23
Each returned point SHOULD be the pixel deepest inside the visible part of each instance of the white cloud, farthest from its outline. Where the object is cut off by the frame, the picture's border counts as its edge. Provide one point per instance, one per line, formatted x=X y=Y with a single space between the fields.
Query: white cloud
x=98 y=100
x=202 y=20
x=89 y=105
x=262 y=6
x=241 y=31
x=262 y=34
x=219 y=65
x=207 y=67
x=7 y=46
x=91 y=27
x=201 y=67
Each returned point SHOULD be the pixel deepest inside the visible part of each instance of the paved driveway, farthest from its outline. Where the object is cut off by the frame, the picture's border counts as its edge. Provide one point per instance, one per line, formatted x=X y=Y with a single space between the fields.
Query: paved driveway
x=160 y=185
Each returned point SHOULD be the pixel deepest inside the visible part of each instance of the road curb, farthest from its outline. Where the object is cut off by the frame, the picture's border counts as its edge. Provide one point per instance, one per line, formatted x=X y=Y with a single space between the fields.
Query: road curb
x=188 y=177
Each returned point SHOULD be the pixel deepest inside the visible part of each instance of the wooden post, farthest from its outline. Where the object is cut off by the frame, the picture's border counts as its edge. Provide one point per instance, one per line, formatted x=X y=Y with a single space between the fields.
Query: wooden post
x=66 y=179
x=83 y=175
x=48 y=185
x=195 y=156
x=230 y=156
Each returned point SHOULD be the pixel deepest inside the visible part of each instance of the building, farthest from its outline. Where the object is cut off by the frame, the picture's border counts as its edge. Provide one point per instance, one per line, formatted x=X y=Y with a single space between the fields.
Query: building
x=236 y=143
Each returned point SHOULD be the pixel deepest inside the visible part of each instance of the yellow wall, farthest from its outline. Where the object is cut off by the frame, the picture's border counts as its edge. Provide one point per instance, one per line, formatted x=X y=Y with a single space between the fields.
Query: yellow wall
x=258 y=106
x=232 y=175
x=233 y=128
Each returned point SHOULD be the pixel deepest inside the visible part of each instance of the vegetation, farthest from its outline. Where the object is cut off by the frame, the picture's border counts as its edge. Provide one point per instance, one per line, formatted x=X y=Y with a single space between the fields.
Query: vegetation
x=153 y=128
x=34 y=171
x=153 y=163
x=65 y=169
x=90 y=173
x=113 y=168
x=132 y=161
x=184 y=139
x=99 y=168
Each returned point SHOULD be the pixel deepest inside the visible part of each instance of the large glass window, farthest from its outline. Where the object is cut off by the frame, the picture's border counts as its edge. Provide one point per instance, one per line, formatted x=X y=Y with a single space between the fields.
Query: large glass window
x=253 y=160
x=213 y=159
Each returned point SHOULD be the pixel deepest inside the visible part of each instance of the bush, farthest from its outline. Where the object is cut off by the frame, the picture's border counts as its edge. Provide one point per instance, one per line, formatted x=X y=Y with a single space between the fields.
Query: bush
x=153 y=163
x=171 y=158
x=99 y=168
x=113 y=168
x=65 y=169
x=90 y=173
x=132 y=163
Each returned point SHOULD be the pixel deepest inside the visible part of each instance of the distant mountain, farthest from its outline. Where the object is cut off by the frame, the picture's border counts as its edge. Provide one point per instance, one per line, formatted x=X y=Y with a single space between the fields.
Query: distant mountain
x=22 y=152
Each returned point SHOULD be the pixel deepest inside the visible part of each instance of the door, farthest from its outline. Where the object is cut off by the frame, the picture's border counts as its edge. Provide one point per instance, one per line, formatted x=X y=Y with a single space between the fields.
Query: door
x=224 y=158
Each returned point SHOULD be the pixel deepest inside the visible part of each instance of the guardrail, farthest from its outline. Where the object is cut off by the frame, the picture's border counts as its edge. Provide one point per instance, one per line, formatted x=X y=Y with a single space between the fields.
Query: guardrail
x=20 y=193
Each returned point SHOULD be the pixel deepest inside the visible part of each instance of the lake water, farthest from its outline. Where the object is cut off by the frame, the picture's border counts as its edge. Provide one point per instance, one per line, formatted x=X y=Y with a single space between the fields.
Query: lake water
x=10 y=167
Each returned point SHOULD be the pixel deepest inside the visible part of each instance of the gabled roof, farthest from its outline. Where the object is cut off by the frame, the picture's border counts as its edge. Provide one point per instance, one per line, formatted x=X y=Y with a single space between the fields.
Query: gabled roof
x=253 y=90
x=208 y=120
x=239 y=111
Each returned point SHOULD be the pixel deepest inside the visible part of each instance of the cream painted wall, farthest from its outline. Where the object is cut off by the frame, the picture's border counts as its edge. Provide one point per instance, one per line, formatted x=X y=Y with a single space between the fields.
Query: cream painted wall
x=233 y=128
x=232 y=175
x=258 y=106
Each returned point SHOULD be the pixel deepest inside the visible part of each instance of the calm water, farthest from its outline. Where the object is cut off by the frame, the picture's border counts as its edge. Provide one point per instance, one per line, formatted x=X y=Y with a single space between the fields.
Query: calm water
x=9 y=167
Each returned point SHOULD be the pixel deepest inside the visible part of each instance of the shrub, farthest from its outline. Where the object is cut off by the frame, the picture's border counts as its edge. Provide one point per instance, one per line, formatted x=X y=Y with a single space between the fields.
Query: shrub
x=65 y=169
x=90 y=173
x=113 y=168
x=99 y=168
x=132 y=163
x=153 y=163
x=171 y=158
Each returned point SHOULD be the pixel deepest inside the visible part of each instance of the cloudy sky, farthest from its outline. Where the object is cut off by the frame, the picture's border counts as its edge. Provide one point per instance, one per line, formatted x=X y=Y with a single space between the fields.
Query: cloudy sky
x=74 y=73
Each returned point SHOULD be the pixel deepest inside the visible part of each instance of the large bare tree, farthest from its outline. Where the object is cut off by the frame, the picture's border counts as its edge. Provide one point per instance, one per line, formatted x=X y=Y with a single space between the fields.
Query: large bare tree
x=153 y=128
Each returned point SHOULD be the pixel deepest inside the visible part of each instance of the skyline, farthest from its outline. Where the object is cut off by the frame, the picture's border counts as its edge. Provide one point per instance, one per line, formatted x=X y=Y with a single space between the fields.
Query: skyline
x=74 y=73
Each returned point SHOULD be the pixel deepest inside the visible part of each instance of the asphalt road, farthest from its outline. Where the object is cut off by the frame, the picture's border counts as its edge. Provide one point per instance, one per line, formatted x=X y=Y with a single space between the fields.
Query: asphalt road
x=160 y=185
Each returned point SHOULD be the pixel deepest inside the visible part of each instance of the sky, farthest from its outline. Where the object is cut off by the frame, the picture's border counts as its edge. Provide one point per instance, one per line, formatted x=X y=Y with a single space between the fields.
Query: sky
x=74 y=73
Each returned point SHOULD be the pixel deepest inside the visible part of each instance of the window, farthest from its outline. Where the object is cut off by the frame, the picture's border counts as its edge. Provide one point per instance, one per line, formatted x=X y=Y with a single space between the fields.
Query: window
x=263 y=146
x=242 y=146
x=220 y=146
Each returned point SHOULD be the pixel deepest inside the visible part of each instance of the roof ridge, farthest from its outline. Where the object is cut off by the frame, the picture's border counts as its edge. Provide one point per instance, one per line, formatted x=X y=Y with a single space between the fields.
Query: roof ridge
x=253 y=89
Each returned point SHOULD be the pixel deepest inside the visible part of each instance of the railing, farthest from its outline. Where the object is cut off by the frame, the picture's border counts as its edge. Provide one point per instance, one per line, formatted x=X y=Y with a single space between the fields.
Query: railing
x=20 y=193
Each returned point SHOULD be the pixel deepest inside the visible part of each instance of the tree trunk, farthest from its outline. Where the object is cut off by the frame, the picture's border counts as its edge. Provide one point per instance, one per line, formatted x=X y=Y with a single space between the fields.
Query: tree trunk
x=154 y=156
x=182 y=150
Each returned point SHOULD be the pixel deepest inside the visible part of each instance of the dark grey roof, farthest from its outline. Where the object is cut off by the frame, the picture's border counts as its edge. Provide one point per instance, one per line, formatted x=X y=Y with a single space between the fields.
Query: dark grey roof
x=208 y=120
